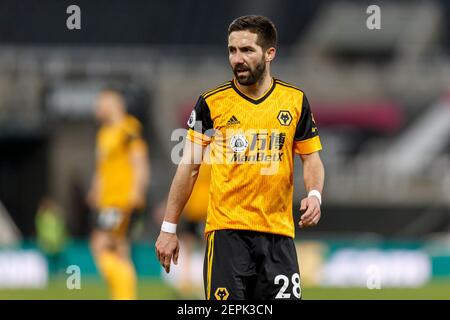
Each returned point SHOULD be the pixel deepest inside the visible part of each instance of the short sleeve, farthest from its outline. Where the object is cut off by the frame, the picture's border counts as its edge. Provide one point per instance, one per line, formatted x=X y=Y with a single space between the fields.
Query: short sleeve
x=138 y=145
x=200 y=124
x=306 y=133
x=134 y=139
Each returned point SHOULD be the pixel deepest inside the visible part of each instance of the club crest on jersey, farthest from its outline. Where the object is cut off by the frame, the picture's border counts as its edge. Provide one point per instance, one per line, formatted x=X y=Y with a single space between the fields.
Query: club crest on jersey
x=238 y=143
x=192 y=119
x=221 y=294
x=284 y=117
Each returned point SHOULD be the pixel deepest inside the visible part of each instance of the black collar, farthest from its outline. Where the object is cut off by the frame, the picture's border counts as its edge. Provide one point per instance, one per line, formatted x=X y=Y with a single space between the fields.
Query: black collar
x=254 y=101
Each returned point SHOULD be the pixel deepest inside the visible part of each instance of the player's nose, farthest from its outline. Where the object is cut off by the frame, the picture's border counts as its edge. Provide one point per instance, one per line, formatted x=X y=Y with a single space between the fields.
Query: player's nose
x=237 y=58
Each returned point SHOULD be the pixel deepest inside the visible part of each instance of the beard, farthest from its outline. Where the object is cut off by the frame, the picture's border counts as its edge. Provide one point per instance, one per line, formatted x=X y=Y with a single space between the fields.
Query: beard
x=253 y=75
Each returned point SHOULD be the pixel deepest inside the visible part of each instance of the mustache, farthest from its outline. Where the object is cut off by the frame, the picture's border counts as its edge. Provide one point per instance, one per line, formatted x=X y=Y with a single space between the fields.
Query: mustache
x=241 y=67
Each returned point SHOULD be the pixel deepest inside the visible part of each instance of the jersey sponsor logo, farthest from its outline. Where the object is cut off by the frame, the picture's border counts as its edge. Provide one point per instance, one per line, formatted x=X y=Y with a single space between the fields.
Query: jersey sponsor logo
x=264 y=141
x=264 y=147
x=192 y=118
x=221 y=294
x=238 y=143
x=233 y=120
x=258 y=157
x=284 y=117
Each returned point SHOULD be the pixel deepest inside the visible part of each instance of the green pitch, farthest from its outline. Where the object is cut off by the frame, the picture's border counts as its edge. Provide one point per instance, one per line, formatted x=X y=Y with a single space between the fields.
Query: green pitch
x=433 y=291
x=91 y=289
x=155 y=289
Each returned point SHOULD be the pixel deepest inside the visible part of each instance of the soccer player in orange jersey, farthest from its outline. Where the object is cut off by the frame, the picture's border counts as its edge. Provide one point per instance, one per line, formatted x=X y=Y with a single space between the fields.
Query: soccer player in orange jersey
x=118 y=190
x=251 y=127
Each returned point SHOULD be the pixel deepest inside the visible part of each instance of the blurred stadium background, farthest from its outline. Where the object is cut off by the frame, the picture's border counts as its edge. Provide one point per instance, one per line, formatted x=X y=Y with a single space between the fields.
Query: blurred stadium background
x=381 y=99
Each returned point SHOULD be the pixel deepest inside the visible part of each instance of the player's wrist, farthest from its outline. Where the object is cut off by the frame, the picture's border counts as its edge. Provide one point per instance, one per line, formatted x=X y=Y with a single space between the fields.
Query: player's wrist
x=315 y=193
x=169 y=227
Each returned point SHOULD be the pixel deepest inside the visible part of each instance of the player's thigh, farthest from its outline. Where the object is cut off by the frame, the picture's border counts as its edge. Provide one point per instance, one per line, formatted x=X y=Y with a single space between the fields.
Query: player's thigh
x=114 y=221
x=228 y=264
x=101 y=240
x=122 y=246
x=278 y=276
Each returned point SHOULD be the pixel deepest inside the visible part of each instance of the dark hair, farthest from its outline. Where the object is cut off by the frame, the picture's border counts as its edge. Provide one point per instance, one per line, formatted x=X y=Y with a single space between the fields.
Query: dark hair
x=262 y=26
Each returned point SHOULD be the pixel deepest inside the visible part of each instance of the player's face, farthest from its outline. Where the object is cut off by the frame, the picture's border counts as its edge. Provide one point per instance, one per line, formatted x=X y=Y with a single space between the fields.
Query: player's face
x=105 y=105
x=247 y=58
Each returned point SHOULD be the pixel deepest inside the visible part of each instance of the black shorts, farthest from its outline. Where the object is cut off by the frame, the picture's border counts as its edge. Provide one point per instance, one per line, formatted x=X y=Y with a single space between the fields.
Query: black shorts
x=247 y=265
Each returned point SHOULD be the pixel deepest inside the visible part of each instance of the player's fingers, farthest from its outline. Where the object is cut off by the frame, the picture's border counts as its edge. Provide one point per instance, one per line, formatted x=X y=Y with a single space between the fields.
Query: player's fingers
x=158 y=254
x=161 y=258
x=307 y=213
x=303 y=205
x=304 y=224
x=313 y=205
x=309 y=220
x=175 y=255
x=316 y=220
x=313 y=216
x=166 y=263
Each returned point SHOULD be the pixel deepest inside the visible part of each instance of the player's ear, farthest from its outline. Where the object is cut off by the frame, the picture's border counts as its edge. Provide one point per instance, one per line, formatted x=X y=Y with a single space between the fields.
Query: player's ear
x=270 y=54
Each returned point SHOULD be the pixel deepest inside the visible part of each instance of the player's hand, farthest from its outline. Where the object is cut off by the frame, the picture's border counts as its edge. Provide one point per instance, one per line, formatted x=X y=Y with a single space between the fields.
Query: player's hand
x=167 y=249
x=310 y=209
x=137 y=199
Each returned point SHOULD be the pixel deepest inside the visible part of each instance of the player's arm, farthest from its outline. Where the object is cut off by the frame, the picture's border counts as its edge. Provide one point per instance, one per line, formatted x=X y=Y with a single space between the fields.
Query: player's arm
x=199 y=136
x=184 y=180
x=307 y=145
x=93 y=193
x=141 y=172
x=167 y=246
x=314 y=176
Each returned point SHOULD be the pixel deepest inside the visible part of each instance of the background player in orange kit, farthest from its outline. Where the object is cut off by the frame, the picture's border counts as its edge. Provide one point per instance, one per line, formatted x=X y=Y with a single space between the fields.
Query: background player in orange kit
x=118 y=191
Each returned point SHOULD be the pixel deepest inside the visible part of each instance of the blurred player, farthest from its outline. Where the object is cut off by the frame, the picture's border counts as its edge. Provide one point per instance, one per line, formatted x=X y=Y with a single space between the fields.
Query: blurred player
x=253 y=124
x=118 y=191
